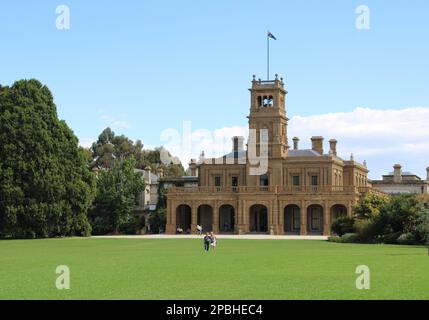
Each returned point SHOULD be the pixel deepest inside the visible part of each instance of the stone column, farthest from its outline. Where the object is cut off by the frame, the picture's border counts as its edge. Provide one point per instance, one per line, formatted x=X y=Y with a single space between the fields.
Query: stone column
x=281 y=217
x=326 y=219
x=171 y=218
x=215 y=222
x=303 y=211
x=239 y=217
x=274 y=217
x=194 y=217
x=350 y=209
x=245 y=218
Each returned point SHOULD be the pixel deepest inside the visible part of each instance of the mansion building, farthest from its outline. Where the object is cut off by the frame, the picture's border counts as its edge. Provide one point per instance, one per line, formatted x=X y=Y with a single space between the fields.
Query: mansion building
x=301 y=192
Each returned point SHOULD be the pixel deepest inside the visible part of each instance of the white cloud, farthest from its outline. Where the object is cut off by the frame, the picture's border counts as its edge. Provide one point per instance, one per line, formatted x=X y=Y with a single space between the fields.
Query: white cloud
x=381 y=137
x=120 y=125
x=86 y=142
x=114 y=123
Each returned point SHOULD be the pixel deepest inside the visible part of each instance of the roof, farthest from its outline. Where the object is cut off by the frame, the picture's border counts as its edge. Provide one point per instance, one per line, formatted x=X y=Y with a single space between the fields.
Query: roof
x=303 y=153
x=402 y=174
x=236 y=154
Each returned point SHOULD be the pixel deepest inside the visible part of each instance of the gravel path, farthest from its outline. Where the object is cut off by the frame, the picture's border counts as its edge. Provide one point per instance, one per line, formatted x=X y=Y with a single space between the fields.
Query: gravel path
x=221 y=236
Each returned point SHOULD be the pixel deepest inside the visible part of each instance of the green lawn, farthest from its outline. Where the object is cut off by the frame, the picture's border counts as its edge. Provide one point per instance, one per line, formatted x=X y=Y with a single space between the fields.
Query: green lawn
x=239 y=269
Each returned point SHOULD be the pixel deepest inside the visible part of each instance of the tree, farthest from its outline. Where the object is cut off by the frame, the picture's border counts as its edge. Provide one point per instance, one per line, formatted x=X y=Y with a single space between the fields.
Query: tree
x=343 y=225
x=370 y=206
x=110 y=147
x=45 y=185
x=158 y=219
x=117 y=190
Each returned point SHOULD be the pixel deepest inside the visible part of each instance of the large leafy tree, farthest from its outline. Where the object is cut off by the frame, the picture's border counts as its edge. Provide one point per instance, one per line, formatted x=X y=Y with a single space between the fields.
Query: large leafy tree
x=110 y=148
x=45 y=185
x=117 y=190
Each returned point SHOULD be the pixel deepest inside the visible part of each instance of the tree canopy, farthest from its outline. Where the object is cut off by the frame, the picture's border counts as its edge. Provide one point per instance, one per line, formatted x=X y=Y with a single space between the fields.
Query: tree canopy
x=109 y=148
x=45 y=185
x=117 y=191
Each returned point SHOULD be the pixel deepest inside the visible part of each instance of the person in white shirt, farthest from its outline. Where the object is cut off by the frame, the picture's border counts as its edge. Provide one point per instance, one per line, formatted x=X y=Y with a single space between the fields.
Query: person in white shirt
x=213 y=240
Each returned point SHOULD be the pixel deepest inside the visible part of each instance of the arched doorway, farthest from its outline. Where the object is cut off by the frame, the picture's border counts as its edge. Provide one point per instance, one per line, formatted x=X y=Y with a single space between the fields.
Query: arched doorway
x=258 y=218
x=226 y=218
x=337 y=211
x=205 y=217
x=183 y=218
x=292 y=219
x=315 y=219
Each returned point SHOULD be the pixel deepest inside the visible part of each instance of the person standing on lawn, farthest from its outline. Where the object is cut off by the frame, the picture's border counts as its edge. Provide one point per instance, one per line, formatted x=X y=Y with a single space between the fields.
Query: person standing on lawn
x=213 y=240
x=207 y=241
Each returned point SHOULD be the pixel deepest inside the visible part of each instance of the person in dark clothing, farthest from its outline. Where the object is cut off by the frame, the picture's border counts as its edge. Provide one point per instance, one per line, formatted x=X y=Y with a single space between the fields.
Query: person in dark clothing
x=207 y=241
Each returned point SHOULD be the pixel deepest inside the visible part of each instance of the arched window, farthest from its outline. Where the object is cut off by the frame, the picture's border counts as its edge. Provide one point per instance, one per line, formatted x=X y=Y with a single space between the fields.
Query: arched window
x=271 y=101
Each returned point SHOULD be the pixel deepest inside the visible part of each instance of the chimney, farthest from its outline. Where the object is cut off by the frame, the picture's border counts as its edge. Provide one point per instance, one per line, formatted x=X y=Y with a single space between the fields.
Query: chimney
x=147 y=169
x=427 y=174
x=193 y=168
x=237 y=143
x=397 y=174
x=295 y=143
x=333 y=147
x=317 y=144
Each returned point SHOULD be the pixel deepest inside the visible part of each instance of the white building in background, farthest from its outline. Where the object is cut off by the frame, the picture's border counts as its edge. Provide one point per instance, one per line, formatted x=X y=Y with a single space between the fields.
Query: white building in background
x=398 y=182
x=148 y=199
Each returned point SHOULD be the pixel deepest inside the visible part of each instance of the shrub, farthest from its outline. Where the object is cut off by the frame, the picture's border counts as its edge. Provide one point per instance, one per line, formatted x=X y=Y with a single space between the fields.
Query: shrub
x=422 y=228
x=157 y=220
x=132 y=226
x=407 y=239
x=365 y=229
x=390 y=238
x=350 y=238
x=335 y=239
x=343 y=225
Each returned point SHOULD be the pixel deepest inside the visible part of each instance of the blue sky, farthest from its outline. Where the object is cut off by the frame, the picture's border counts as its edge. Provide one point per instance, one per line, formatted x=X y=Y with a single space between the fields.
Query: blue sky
x=145 y=66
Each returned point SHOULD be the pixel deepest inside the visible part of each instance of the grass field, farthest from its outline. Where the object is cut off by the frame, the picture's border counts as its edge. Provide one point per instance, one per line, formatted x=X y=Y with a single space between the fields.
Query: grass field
x=239 y=269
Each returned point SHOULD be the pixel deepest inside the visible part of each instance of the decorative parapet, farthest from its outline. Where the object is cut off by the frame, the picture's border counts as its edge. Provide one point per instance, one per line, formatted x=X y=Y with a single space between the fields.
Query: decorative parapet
x=277 y=190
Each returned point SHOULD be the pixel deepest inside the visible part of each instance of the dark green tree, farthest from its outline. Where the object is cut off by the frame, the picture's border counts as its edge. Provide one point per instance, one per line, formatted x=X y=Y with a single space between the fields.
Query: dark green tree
x=45 y=185
x=110 y=147
x=117 y=191
x=343 y=225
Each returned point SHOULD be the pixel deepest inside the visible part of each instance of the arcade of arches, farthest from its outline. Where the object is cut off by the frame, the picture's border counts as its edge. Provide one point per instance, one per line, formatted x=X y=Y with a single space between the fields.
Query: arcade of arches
x=295 y=219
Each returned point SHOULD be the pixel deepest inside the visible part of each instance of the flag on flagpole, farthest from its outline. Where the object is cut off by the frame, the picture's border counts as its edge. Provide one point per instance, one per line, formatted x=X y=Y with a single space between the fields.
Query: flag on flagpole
x=270 y=35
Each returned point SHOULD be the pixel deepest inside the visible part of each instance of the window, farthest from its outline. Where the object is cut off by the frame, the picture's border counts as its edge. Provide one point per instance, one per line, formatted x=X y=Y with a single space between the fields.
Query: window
x=271 y=101
x=263 y=180
x=265 y=101
x=234 y=181
x=295 y=181
x=259 y=101
x=314 y=180
x=296 y=218
x=315 y=219
x=217 y=181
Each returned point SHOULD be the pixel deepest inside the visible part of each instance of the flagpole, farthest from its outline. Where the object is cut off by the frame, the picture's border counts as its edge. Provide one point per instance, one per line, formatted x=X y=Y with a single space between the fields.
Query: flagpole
x=268 y=58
